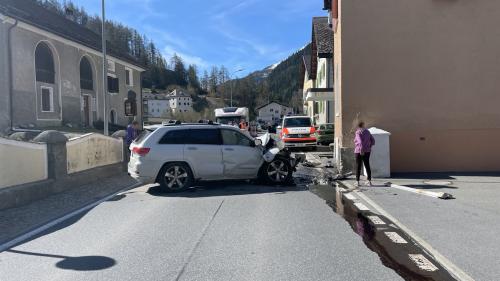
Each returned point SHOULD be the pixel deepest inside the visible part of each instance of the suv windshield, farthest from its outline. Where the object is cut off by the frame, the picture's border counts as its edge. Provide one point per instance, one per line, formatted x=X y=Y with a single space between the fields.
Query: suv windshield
x=297 y=122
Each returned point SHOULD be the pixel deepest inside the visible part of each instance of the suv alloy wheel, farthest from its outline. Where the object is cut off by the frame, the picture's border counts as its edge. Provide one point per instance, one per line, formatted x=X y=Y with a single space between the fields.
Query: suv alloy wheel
x=175 y=177
x=278 y=171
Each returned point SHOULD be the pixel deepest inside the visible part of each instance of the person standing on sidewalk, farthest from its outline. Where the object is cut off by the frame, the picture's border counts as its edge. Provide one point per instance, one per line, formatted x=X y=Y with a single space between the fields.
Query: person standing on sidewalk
x=132 y=132
x=363 y=142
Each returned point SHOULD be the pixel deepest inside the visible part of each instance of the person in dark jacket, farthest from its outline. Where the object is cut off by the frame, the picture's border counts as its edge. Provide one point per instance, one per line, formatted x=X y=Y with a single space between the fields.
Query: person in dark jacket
x=363 y=143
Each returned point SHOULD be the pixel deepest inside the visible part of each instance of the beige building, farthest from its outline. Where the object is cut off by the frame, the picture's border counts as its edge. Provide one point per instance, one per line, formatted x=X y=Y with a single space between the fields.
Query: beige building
x=426 y=71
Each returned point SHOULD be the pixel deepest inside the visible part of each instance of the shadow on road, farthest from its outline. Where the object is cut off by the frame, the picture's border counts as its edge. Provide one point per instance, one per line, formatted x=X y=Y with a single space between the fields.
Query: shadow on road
x=430 y=186
x=83 y=263
x=231 y=188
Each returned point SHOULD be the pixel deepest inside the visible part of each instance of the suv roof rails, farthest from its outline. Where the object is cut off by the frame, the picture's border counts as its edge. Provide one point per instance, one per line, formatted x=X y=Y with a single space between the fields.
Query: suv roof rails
x=193 y=124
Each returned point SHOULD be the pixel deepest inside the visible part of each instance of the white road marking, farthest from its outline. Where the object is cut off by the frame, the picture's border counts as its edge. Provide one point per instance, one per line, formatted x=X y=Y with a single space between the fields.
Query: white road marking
x=440 y=195
x=422 y=262
x=50 y=224
x=446 y=263
x=350 y=196
x=396 y=238
x=376 y=220
x=361 y=207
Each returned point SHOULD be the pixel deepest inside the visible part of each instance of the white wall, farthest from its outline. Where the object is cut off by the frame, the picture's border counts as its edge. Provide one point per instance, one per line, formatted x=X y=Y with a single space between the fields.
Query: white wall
x=22 y=162
x=159 y=108
x=93 y=150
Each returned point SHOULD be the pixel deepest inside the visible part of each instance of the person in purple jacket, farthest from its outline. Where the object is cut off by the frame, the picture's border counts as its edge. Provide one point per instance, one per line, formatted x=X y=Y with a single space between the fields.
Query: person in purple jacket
x=132 y=132
x=363 y=143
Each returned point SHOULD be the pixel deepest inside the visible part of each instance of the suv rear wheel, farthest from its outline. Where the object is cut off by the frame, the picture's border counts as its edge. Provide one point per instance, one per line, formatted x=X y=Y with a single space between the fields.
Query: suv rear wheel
x=175 y=177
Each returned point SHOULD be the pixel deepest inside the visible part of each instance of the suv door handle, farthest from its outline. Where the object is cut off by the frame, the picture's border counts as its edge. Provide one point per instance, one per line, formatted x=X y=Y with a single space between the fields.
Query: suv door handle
x=229 y=149
x=192 y=148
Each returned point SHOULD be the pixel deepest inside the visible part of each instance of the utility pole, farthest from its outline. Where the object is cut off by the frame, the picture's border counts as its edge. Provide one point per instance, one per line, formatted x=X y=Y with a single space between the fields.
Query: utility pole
x=104 y=72
x=232 y=83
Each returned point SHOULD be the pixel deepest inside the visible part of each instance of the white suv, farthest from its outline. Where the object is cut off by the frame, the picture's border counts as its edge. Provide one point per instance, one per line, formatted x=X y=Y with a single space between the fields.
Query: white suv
x=175 y=156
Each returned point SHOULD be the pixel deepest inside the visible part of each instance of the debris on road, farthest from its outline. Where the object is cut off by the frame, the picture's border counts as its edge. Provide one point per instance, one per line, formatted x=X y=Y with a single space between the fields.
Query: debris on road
x=310 y=164
x=439 y=195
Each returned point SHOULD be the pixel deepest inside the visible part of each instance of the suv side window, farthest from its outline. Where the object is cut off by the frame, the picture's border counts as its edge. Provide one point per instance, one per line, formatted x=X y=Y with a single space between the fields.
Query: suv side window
x=203 y=136
x=173 y=137
x=232 y=137
x=192 y=136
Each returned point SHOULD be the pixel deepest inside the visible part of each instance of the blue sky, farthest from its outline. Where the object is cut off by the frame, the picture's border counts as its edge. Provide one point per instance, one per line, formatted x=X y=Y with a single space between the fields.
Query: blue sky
x=249 y=34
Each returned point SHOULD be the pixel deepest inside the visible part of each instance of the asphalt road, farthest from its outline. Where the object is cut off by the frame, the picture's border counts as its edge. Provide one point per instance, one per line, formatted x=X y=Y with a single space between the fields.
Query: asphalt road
x=226 y=231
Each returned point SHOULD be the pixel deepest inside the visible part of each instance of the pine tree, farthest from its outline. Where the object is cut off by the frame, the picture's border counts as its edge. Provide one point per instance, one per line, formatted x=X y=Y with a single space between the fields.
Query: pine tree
x=193 y=80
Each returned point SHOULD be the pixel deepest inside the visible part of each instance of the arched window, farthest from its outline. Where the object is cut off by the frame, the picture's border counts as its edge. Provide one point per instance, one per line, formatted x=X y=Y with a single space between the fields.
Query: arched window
x=112 y=116
x=86 y=78
x=44 y=64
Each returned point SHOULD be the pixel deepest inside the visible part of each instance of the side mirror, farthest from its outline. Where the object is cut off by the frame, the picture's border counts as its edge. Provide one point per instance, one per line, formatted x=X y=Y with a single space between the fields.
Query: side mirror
x=258 y=142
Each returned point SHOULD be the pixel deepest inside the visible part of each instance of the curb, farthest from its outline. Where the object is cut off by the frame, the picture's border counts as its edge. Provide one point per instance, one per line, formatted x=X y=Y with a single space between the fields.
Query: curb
x=442 y=260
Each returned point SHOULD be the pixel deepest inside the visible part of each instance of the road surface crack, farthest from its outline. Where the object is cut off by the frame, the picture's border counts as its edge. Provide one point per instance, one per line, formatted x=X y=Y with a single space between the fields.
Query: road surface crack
x=198 y=242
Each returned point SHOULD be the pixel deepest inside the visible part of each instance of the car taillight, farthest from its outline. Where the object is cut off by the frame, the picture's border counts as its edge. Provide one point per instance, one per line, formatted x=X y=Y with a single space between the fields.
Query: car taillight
x=141 y=151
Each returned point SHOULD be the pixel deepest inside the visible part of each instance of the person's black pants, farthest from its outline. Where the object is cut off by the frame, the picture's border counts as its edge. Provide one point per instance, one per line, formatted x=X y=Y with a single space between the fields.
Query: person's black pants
x=360 y=161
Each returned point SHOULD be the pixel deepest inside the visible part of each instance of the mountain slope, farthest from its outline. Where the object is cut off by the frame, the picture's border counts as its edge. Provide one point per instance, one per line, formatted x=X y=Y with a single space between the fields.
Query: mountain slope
x=278 y=82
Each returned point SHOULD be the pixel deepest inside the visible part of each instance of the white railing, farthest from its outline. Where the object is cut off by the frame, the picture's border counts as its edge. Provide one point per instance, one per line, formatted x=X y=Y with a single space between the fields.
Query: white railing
x=22 y=162
x=91 y=151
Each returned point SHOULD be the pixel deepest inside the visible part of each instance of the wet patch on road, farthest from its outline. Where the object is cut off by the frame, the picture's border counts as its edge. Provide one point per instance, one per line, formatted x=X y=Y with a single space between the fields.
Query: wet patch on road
x=395 y=249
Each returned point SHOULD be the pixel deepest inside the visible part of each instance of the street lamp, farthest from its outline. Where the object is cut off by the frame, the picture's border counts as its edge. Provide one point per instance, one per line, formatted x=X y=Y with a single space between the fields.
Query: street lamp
x=104 y=71
x=232 y=83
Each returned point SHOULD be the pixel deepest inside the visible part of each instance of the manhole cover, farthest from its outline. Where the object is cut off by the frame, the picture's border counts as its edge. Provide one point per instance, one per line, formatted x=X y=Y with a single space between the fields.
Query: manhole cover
x=438 y=182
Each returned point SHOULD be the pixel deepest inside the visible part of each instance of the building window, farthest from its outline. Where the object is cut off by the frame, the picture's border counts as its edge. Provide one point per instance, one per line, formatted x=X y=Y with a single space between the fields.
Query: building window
x=112 y=116
x=44 y=64
x=47 y=99
x=86 y=79
x=129 y=77
x=113 y=85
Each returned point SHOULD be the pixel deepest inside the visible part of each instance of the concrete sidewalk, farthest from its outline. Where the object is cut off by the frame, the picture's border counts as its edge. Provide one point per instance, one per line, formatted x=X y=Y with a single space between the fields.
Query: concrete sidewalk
x=17 y=221
x=465 y=229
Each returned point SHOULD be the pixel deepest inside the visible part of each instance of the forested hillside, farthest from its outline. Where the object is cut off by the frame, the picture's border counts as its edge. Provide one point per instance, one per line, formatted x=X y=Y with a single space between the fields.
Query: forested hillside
x=275 y=83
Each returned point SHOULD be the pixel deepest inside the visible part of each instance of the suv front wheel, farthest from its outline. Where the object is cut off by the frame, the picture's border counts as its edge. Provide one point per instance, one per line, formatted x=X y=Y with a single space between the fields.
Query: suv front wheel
x=278 y=171
x=175 y=177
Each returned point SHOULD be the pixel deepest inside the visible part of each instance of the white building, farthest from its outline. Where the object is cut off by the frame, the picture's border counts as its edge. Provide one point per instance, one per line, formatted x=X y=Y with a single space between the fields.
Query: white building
x=180 y=102
x=157 y=108
x=273 y=112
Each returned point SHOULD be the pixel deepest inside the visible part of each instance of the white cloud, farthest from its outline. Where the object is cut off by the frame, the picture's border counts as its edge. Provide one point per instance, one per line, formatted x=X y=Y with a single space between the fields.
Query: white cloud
x=169 y=51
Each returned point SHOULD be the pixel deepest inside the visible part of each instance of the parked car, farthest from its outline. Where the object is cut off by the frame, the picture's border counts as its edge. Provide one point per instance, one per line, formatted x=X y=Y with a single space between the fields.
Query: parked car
x=298 y=131
x=324 y=133
x=176 y=156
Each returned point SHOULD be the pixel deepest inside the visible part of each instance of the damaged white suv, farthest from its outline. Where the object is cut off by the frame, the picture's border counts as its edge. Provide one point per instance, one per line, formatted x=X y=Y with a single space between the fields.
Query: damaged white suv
x=176 y=156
